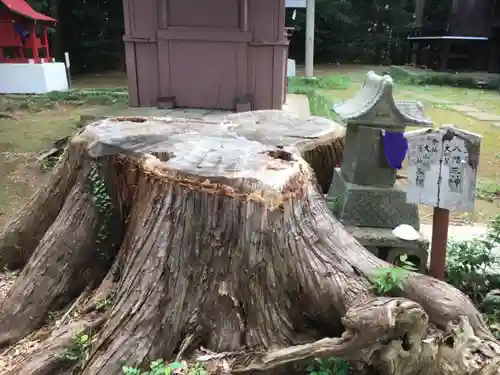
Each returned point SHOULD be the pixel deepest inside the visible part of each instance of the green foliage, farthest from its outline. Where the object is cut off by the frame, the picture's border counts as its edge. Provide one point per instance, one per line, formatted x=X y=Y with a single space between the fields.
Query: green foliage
x=404 y=263
x=49 y=163
x=52 y=317
x=329 y=82
x=102 y=304
x=452 y=79
x=491 y=313
x=159 y=367
x=102 y=200
x=335 y=204
x=468 y=262
x=79 y=349
x=387 y=279
x=468 y=268
x=328 y=366
x=369 y=32
x=488 y=192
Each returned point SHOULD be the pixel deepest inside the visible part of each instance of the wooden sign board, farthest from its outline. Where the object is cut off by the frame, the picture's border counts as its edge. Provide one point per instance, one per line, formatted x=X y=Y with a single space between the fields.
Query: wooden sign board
x=442 y=168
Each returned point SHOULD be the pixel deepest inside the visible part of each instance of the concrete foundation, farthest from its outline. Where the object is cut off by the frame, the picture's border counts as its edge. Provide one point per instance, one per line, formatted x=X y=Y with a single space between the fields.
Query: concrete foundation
x=32 y=78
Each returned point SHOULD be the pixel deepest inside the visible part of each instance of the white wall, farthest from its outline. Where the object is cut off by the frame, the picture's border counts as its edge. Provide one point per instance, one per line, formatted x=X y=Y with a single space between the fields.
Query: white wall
x=32 y=78
x=295 y=3
x=290 y=68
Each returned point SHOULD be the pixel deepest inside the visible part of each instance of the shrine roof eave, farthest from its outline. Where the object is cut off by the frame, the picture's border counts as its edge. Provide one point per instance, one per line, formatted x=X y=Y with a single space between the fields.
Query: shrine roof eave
x=23 y=9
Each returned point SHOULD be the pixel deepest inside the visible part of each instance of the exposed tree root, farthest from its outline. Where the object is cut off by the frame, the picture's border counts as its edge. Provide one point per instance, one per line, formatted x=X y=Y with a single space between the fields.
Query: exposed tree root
x=229 y=245
x=65 y=263
x=48 y=358
x=395 y=336
x=20 y=237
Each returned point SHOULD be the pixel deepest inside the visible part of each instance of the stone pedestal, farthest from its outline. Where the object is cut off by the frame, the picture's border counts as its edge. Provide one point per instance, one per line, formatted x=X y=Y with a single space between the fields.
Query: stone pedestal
x=365 y=194
x=370 y=206
x=383 y=244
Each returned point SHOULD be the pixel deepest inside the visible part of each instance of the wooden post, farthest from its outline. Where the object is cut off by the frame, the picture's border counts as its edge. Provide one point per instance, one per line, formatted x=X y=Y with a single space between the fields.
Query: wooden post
x=45 y=42
x=244 y=15
x=67 y=64
x=415 y=47
x=310 y=10
x=442 y=170
x=33 y=43
x=440 y=223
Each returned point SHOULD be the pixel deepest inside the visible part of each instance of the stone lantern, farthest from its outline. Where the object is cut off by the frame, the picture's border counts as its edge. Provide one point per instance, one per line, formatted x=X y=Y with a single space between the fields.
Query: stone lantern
x=366 y=195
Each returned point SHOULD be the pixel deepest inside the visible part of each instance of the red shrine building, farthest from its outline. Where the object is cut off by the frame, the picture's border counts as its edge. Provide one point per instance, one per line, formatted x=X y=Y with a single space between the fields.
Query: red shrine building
x=23 y=33
x=26 y=65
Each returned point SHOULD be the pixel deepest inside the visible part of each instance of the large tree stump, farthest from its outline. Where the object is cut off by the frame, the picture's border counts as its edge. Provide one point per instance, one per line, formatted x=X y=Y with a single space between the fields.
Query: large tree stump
x=213 y=239
x=320 y=141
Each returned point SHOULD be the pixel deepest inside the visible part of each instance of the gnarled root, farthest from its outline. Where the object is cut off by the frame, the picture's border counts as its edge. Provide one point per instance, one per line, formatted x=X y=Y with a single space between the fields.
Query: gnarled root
x=395 y=336
x=48 y=358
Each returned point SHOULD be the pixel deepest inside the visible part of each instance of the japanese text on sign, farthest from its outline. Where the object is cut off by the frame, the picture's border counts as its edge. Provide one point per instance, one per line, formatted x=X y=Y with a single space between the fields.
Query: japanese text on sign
x=442 y=168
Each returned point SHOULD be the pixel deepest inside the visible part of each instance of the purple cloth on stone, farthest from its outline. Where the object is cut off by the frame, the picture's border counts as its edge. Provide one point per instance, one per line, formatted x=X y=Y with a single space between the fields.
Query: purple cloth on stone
x=395 y=148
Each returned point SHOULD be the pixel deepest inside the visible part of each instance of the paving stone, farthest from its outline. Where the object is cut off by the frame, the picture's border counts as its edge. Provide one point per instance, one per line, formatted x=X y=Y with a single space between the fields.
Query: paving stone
x=464 y=108
x=484 y=116
x=435 y=100
x=297 y=104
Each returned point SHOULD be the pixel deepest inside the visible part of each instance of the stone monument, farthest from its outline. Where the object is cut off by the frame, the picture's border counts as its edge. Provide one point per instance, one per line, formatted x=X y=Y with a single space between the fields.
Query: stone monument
x=366 y=195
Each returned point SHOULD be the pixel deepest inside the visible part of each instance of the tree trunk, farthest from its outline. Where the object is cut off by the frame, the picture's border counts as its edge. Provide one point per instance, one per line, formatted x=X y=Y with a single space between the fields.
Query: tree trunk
x=19 y=238
x=227 y=245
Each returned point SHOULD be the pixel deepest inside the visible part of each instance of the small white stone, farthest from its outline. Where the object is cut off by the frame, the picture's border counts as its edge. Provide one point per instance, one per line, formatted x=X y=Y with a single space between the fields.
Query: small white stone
x=406 y=232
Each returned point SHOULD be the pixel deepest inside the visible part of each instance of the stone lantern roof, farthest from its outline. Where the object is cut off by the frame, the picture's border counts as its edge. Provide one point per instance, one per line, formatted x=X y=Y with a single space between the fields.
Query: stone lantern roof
x=375 y=105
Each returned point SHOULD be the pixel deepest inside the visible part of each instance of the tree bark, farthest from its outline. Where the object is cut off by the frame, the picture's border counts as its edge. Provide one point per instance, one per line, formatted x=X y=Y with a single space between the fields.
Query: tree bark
x=48 y=358
x=64 y=264
x=20 y=237
x=228 y=244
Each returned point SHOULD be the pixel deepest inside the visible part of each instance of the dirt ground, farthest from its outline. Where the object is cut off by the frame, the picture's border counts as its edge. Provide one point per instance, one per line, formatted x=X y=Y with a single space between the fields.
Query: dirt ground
x=24 y=138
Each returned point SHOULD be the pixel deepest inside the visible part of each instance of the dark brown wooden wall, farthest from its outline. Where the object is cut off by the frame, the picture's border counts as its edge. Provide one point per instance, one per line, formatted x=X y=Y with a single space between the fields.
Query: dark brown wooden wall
x=206 y=53
x=471 y=17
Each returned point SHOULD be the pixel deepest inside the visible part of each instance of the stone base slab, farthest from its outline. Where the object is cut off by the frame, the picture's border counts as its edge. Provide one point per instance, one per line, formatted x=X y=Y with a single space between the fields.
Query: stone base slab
x=383 y=244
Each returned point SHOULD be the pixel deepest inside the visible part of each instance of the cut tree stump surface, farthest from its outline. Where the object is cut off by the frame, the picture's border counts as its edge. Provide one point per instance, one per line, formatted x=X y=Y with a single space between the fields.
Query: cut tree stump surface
x=320 y=141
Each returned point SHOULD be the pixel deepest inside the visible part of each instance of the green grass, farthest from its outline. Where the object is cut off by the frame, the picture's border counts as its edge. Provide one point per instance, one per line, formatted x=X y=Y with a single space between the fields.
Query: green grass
x=75 y=97
x=447 y=79
x=320 y=104
x=488 y=191
x=38 y=121
x=418 y=77
x=331 y=89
